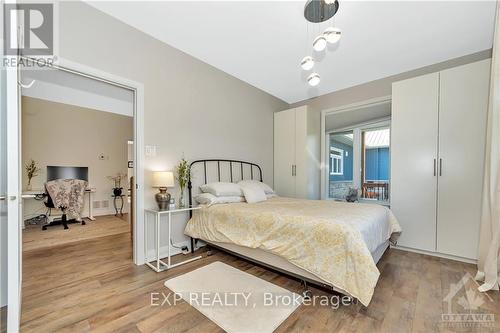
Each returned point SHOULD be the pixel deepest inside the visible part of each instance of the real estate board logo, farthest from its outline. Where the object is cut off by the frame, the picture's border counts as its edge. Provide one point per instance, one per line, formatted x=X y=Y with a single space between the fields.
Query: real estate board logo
x=33 y=35
x=468 y=301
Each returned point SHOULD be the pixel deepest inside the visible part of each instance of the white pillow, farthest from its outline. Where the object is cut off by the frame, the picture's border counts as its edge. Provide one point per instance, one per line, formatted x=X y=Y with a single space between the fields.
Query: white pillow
x=210 y=199
x=253 y=193
x=221 y=189
x=267 y=189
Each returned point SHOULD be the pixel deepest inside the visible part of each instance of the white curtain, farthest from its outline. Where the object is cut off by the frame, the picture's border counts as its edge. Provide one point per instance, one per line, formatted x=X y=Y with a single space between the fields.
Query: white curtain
x=489 y=259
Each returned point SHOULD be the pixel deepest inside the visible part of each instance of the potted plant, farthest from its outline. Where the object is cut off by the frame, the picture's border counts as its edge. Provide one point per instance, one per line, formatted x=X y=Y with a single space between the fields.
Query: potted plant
x=32 y=170
x=182 y=171
x=117 y=180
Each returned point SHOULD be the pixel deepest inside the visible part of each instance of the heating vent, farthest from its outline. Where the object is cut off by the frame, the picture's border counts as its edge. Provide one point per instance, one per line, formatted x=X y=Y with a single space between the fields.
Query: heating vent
x=96 y=204
x=105 y=203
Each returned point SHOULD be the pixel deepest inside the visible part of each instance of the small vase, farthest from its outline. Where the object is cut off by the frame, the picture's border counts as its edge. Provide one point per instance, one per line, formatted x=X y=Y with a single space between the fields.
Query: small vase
x=117 y=191
x=182 y=204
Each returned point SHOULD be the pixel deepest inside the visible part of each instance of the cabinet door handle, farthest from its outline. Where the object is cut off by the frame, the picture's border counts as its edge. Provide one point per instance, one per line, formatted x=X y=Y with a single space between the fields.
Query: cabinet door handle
x=292 y=169
x=440 y=166
x=434 y=167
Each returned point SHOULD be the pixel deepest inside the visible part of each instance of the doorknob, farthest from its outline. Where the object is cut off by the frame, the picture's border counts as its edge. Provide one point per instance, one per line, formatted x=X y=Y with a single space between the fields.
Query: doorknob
x=2 y=197
x=12 y=197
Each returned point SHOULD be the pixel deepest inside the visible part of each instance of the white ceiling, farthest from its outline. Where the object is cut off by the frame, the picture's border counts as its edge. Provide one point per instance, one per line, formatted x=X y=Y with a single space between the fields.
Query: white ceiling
x=262 y=42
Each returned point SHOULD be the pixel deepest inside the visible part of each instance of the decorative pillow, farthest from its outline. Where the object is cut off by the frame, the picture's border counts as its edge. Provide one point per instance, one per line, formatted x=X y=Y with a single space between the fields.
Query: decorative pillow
x=210 y=199
x=267 y=189
x=221 y=189
x=253 y=193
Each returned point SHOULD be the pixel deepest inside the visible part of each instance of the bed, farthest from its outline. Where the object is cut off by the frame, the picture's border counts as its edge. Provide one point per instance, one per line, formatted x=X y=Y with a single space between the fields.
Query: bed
x=332 y=244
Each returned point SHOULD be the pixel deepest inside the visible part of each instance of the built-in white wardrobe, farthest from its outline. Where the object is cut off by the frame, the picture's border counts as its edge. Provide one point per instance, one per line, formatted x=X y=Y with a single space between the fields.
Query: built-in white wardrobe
x=296 y=153
x=437 y=157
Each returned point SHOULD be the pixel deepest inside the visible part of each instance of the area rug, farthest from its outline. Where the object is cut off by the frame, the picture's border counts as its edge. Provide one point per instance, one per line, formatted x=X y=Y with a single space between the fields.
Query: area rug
x=235 y=300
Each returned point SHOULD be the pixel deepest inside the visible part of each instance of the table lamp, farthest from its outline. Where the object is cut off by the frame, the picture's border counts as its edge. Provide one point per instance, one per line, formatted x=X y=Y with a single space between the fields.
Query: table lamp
x=162 y=180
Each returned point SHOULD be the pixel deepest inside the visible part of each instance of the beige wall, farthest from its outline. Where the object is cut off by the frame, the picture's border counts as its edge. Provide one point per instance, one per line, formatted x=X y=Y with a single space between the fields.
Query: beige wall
x=67 y=135
x=191 y=108
x=383 y=87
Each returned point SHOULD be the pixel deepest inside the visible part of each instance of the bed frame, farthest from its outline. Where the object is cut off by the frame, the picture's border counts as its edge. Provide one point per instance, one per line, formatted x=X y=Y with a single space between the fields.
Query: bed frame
x=232 y=164
x=236 y=167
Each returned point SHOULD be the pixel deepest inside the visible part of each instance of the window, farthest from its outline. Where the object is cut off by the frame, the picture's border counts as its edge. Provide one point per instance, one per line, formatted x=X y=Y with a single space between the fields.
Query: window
x=340 y=164
x=375 y=159
x=359 y=158
x=337 y=161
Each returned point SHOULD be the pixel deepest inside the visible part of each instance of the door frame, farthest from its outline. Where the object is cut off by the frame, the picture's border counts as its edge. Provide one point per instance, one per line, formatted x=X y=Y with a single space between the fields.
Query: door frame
x=14 y=201
x=324 y=135
x=138 y=90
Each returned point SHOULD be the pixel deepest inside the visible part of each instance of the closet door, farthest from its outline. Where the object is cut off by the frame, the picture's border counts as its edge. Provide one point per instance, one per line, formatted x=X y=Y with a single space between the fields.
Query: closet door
x=284 y=153
x=462 y=129
x=414 y=129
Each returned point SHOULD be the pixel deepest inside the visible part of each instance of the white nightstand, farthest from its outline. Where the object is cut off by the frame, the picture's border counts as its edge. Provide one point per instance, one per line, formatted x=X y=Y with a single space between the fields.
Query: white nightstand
x=160 y=264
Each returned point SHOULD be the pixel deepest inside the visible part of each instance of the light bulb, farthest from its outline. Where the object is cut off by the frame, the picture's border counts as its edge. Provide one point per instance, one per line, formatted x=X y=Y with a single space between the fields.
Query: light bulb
x=319 y=43
x=332 y=35
x=313 y=79
x=307 y=63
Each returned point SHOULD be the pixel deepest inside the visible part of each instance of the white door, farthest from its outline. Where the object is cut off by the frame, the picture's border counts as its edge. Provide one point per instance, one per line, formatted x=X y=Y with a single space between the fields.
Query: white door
x=10 y=198
x=284 y=153
x=414 y=130
x=462 y=130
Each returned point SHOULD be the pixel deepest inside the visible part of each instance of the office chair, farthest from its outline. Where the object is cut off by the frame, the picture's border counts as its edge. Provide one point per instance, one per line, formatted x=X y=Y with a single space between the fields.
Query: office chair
x=49 y=203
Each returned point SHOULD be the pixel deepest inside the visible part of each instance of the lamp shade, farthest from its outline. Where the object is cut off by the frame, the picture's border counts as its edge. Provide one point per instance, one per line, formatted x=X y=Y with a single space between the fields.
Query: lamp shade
x=163 y=179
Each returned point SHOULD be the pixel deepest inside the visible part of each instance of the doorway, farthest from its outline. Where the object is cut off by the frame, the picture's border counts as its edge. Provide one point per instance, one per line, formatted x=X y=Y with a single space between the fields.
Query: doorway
x=73 y=127
x=14 y=273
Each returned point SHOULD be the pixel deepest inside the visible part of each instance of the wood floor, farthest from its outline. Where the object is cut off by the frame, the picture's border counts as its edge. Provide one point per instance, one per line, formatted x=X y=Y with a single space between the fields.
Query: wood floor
x=34 y=238
x=94 y=286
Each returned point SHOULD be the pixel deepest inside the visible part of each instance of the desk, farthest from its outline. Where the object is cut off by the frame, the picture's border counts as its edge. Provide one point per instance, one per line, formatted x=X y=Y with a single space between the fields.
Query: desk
x=157 y=214
x=39 y=193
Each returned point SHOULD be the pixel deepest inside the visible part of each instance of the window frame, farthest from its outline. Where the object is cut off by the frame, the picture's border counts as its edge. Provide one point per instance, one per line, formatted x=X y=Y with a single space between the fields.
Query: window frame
x=339 y=161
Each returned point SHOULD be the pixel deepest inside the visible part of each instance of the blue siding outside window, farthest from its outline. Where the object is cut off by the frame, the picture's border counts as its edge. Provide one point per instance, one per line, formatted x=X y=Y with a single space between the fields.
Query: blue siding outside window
x=377 y=164
x=347 y=162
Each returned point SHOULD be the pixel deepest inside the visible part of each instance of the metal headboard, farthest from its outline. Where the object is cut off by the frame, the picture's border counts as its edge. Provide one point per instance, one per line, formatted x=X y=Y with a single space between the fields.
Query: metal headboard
x=218 y=163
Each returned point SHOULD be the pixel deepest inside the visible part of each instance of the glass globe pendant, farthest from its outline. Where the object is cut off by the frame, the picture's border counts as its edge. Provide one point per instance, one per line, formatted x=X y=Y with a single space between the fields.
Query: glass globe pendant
x=332 y=35
x=313 y=79
x=307 y=63
x=319 y=43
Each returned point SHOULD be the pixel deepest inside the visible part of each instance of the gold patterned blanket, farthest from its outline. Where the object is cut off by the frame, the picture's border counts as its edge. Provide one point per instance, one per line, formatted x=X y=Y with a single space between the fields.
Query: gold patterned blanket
x=329 y=239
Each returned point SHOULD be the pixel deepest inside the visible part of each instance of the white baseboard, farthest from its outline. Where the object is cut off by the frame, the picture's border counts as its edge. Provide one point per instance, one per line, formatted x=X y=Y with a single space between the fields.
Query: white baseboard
x=436 y=254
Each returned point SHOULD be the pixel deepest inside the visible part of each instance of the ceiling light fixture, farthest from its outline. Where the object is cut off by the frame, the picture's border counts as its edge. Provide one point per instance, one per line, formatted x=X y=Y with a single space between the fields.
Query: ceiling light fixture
x=318 y=11
x=332 y=35
x=313 y=79
x=319 y=43
x=307 y=63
